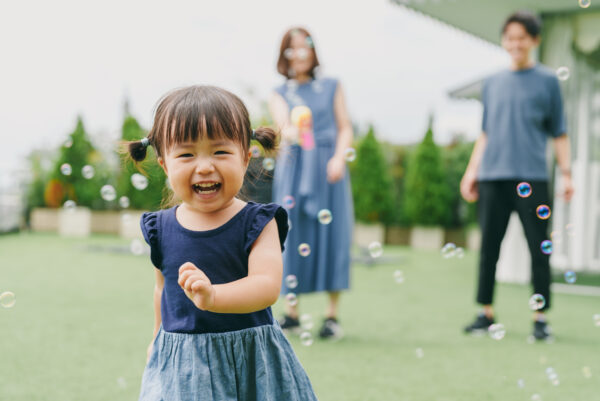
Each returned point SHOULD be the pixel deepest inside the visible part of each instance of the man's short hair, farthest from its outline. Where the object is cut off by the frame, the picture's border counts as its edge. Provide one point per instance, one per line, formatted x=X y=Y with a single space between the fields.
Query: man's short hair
x=531 y=23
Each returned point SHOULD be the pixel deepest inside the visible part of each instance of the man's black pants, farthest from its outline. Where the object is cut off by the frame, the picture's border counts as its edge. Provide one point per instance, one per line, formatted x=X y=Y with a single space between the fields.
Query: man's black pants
x=497 y=199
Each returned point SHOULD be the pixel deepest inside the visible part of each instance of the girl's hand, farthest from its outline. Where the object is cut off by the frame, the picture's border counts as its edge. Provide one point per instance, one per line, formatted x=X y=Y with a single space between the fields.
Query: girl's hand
x=197 y=286
x=336 y=166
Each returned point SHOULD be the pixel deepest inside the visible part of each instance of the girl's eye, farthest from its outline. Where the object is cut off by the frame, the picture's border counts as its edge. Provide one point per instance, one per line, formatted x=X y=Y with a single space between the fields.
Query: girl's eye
x=185 y=155
x=221 y=152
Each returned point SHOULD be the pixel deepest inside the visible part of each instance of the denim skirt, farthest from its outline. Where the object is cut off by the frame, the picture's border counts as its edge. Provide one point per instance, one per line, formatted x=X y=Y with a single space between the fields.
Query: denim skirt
x=257 y=363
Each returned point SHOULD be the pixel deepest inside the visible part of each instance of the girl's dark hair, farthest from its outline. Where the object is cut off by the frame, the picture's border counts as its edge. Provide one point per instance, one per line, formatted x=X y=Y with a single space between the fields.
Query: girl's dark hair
x=531 y=23
x=283 y=64
x=195 y=112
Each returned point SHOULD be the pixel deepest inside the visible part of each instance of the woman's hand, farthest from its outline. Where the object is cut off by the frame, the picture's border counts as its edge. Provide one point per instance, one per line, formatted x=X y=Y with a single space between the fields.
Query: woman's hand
x=336 y=167
x=468 y=187
x=149 y=351
x=197 y=286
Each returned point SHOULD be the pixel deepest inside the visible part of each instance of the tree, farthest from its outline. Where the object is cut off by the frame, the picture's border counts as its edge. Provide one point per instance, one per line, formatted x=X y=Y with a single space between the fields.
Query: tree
x=371 y=182
x=149 y=198
x=427 y=195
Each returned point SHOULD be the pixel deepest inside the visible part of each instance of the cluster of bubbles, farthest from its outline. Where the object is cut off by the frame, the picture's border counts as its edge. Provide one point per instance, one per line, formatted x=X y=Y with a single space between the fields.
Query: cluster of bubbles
x=497 y=331
x=552 y=376
x=450 y=250
x=7 y=299
x=537 y=302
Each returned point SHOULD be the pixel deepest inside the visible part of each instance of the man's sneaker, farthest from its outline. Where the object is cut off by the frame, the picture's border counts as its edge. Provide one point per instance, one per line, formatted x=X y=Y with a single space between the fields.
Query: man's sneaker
x=289 y=323
x=480 y=325
x=331 y=329
x=541 y=331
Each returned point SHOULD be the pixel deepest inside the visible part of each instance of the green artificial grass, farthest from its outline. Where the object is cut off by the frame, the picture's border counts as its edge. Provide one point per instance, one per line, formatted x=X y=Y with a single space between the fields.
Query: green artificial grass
x=83 y=319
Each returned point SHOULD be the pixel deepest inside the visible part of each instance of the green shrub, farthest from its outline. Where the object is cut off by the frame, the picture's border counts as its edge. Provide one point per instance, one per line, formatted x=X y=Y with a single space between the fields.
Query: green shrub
x=371 y=182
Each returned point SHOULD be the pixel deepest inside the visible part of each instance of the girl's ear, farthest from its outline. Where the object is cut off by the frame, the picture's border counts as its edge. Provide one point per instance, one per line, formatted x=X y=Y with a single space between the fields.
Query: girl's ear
x=162 y=163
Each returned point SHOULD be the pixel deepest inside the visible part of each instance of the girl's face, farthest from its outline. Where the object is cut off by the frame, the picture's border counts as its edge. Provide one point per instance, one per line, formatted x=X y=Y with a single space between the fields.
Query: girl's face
x=518 y=43
x=206 y=175
x=300 y=54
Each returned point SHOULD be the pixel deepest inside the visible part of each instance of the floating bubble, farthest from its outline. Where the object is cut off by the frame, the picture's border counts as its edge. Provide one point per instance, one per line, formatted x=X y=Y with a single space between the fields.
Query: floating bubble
x=543 y=212
x=524 y=189
x=563 y=72
x=536 y=397
x=399 y=276
x=289 y=202
x=556 y=237
x=68 y=143
x=587 y=372
x=497 y=331
x=292 y=299
x=7 y=299
x=550 y=371
x=126 y=218
x=420 y=353
x=66 y=169
x=555 y=382
x=136 y=247
x=289 y=225
x=254 y=151
x=124 y=202
x=288 y=53
x=139 y=182
x=350 y=155
x=268 y=163
x=306 y=321
x=88 y=172
x=291 y=281
x=585 y=3
x=375 y=249
x=70 y=205
x=459 y=253
x=570 y=229
x=596 y=319
x=304 y=249
x=448 y=250
x=546 y=247
x=570 y=276
x=122 y=383
x=108 y=193
x=324 y=216
x=306 y=339
x=537 y=302
x=520 y=383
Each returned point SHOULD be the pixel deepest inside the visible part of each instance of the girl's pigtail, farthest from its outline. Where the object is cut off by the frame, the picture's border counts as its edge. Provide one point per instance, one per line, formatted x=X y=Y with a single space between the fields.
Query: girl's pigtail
x=266 y=137
x=135 y=149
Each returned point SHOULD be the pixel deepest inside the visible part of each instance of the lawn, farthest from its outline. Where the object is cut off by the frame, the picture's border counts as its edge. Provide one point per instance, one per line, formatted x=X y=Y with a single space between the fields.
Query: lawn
x=83 y=318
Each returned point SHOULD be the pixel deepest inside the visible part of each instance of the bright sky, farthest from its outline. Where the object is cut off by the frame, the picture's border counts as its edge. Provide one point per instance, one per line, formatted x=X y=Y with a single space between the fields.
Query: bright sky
x=62 y=58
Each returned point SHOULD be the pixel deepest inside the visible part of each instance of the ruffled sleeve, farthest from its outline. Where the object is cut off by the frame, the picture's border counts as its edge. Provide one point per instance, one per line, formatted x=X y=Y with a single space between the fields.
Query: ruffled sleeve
x=150 y=229
x=262 y=215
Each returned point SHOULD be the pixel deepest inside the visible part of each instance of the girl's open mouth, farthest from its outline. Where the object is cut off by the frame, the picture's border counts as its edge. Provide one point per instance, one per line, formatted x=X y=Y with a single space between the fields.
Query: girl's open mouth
x=206 y=188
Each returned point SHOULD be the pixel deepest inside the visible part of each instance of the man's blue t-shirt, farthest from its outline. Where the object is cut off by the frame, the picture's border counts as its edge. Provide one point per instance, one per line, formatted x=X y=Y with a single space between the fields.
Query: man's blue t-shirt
x=521 y=109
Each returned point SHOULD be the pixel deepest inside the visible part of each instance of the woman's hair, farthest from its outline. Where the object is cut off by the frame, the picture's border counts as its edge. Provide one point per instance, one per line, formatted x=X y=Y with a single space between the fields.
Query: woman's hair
x=283 y=64
x=530 y=22
x=196 y=112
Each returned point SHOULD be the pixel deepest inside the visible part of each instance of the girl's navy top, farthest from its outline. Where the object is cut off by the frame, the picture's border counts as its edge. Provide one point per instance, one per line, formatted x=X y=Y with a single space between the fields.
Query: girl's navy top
x=221 y=253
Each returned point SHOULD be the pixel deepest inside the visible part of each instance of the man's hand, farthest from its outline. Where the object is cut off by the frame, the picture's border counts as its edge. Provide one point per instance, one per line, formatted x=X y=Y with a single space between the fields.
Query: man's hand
x=468 y=187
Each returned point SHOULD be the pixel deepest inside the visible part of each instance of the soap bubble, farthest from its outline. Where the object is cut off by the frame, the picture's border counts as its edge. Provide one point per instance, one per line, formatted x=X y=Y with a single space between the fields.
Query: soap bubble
x=536 y=397
x=291 y=281
x=375 y=249
x=121 y=382
x=70 y=205
x=570 y=229
x=570 y=276
x=399 y=276
x=587 y=372
x=7 y=299
x=596 y=318
x=306 y=321
x=520 y=383
x=289 y=202
x=585 y=3
x=324 y=216
x=136 y=247
x=497 y=331
x=420 y=353
x=459 y=253
x=524 y=189
x=543 y=212
x=563 y=72
x=546 y=247
x=108 y=193
x=68 y=143
x=66 y=169
x=350 y=154
x=306 y=339
x=268 y=163
x=255 y=151
x=556 y=237
x=87 y=172
x=304 y=249
x=292 y=299
x=537 y=302
x=448 y=250
x=124 y=202
x=139 y=182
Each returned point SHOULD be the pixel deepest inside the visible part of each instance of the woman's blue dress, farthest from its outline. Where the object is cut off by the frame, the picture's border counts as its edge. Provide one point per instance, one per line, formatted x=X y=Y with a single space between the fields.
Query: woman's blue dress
x=302 y=174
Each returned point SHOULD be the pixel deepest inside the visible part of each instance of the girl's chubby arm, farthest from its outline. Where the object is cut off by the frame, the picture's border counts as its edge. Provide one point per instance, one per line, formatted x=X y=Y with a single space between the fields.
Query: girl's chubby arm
x=158 y=288
x=259 y=290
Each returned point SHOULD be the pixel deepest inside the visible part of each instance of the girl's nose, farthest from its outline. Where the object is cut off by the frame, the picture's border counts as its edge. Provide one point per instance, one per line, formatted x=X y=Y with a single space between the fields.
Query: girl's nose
x=204 y=166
